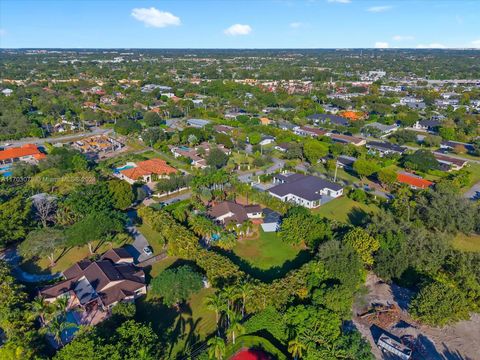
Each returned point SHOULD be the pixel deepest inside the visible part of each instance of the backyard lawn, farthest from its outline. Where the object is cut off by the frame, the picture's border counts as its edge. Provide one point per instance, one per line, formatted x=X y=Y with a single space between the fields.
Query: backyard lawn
x=64 y=259
x=153 y=238
x=265 y=251
x=345 y=210
x=467 y=242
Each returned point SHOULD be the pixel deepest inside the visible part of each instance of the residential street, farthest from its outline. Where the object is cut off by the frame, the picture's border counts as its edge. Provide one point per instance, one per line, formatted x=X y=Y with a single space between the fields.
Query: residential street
x=472 y=192
x=96 y=131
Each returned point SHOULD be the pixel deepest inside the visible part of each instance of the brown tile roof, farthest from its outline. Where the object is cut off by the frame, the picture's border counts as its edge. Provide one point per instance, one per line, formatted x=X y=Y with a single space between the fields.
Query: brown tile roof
x=225 y=207
x=18 y=152
x=149 y=167
x=116 y=255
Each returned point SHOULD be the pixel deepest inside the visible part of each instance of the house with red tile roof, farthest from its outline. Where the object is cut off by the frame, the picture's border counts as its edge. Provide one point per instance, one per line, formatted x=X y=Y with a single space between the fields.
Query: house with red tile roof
x=28 y=153
x=144 y=171
x=414 y=181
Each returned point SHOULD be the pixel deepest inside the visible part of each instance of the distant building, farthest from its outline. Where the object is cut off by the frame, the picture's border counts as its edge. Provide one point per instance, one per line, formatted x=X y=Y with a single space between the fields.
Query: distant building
x=309 y=131
x=29 y=153
x=414 y=181
x=452 y=163
x=197 y=123
x=347 y=139
x=308 y=191
x=382 y=128
x=385 y=148
x=328 y=119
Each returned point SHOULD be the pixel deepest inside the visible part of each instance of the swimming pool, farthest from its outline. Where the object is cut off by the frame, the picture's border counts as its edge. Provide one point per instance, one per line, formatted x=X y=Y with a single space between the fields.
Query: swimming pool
x=4 y=170
x=69 y=332
x=124 y=167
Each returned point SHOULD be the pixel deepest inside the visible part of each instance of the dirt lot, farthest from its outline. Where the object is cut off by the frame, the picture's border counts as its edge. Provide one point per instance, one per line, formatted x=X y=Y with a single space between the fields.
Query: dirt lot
x=457 y=342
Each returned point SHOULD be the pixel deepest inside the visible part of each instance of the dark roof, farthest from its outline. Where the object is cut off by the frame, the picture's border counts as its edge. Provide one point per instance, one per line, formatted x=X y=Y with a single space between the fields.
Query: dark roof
x=306 y=187
x=288 y=177
x=333 y=119
x=116 y=255
x=225 y=207
x=448 y=159
x=270 y=216
x=250 y=209
x=346 y=160
x=430 y=123
x=385 y=146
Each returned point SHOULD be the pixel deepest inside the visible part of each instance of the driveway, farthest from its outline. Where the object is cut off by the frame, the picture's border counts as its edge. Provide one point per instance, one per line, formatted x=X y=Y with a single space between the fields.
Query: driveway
x=473 y=192
x=177 y=198
x=139 y=242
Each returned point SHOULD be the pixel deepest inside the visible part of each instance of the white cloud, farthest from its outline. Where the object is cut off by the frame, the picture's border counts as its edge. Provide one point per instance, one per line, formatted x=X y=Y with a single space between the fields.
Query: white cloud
x=296 y=25
x=431 y=46
x=152 y=17
x=3 y=32
x=340 y=1
x=382 y=45
x=379 y=9
x=403 y=37
x=238 y=29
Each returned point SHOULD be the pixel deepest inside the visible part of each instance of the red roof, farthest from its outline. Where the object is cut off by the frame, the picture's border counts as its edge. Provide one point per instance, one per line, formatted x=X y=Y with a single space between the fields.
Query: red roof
x=250 y=354
x=18 y=152
x=414 y=181
x=148 y=167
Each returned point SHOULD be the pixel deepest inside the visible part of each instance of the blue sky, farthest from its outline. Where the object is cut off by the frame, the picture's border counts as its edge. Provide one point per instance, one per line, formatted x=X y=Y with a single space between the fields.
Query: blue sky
x=239 y=24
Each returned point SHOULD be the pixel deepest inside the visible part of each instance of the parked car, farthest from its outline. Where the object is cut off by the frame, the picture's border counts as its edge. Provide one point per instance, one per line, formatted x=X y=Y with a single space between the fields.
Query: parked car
x=148 y=251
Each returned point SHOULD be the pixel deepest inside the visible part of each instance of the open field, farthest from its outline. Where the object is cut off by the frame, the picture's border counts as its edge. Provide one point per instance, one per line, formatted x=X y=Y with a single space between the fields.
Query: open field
x=467 y=242
x=345 y=210
x=265 y=251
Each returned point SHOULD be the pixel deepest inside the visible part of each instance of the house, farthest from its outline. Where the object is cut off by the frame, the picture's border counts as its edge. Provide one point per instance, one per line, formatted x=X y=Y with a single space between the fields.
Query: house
x=309 y=131
x=283 y=147
x=197 y=123
x=265 y=121
x=7 y=92
x=267 y=140
x=29 y=153
x=308 y=191
x=346 y=162
x=328 y=119
x=383 y=129
x=452 y=163
x=427 y=125
x=347 y=139
x=228 y=212
x=457 y=146
x=414 y=181
x=94 y=287
x=285 y=125
x=144 y=171
x=271 y=220
x=223 y=129
x=385 y=148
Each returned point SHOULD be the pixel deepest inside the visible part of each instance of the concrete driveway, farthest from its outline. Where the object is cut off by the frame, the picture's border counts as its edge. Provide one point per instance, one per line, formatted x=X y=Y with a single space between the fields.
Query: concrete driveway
x=139 y=242
x=473 y=192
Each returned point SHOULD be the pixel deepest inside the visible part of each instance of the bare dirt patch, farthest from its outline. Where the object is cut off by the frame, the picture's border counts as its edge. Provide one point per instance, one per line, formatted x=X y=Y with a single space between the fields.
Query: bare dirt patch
x=456 y=342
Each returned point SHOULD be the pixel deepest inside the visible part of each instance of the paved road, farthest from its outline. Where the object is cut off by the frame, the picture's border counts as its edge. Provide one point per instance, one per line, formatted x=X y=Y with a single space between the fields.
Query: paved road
x=177 y=198
x=95 y=131
x=247 y=176
x=472 y=192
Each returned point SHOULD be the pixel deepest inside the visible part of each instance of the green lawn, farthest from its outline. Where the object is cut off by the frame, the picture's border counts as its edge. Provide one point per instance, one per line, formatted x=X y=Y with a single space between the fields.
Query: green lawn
x=344 y=210
x=63 y=259
x=153 y=238
x=266 y=251
x=475 y=175
x=467 y=242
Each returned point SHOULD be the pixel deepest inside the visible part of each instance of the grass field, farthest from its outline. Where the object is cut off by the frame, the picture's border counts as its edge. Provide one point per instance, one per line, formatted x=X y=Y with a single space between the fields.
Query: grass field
x=345 y=210
x=64 y=259
x=266 y=251
x=467 y=242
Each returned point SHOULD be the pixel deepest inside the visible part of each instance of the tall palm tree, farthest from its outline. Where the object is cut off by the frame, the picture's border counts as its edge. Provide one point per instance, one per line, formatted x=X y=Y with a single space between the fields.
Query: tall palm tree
x=215 y=303
x=245 y=290
x=216 y=348
x=40 y=307
x=236 y=328
x=61 y=304
x=296 y=348
x=57 y=326
x=230 y=294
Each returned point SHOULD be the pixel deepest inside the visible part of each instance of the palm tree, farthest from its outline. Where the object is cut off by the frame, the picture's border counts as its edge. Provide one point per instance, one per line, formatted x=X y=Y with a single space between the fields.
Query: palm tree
x=245 y=290
x=216 y=348
x=235 y=328
x=57 y=326
x=296 y=348
x=215 y=303
x=230 y=294
x=40 y=307
x=61 y=304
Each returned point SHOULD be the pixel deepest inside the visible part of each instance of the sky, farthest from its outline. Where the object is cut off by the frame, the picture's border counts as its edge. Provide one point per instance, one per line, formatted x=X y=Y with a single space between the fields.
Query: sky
x=240 y=24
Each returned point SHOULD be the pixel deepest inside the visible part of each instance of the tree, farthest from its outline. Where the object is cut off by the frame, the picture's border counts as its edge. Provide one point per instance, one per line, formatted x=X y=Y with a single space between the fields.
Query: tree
x=387 y=176
x=176 y=285
x=365 y=168
x=215 y=303
x=217 y=158
x=14 y=219
x=300 y=226
x=245 y=290
x=152 y=118
x=122 y=194
x=42 y=242
x=364 y=244
x=216 y=348
x=45 y=207
x=314 y=150
x=40 y=307
x=296 y=347
x=236 y=328
x=57 y=326
x=421 y=160
x=440 y=303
